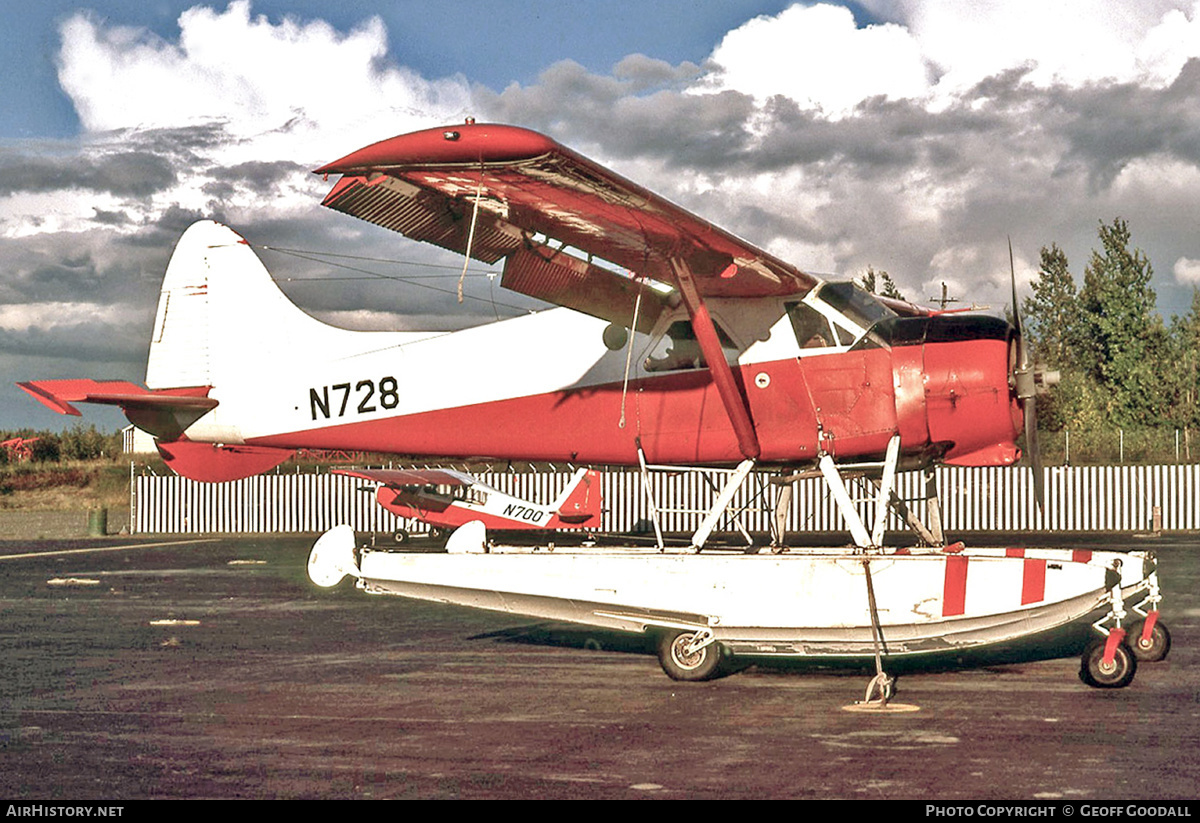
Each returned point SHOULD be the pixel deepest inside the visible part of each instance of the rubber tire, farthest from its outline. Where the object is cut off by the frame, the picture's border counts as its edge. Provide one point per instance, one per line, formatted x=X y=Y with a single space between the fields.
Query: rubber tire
x=703 y=665
x=1124 y=666
x=400 y=537
x=1160 y=642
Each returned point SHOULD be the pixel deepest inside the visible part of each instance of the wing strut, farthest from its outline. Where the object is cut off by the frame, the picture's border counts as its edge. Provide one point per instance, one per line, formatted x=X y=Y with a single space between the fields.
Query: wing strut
x=718 y=366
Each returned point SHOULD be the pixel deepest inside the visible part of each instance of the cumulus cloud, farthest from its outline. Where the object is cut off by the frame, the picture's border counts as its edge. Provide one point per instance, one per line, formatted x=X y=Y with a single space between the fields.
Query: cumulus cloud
x=819 y=58
x=304 y=82
x=1187 y=271
x=1069 y=42
x=225 y=121
x=122 y=173
x=916 y=145
x=230 y=117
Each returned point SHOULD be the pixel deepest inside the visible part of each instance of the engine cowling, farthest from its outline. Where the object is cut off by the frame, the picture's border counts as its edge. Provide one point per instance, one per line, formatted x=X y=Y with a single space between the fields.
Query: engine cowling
x=953 y=383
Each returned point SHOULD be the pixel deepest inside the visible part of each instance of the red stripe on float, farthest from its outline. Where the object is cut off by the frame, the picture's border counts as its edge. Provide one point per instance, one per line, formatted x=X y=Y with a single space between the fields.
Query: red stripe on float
x=954 y=590
x=1081 y=555
x=1014 y=552
x=1033 y=582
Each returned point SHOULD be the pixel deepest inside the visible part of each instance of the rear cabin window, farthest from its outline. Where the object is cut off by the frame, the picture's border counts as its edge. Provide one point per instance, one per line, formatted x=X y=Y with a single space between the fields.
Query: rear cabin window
x=679 y=349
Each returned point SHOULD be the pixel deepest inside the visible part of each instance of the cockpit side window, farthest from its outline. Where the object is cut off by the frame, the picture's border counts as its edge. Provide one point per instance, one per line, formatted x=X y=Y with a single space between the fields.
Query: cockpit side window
x=679 y=349
x=811 y=328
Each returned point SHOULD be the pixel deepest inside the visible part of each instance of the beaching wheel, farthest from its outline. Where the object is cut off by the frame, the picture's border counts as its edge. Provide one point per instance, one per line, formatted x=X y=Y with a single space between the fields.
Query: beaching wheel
x=399 y=536
x=1115 y=675
x=704 y=664
x=1153 y=649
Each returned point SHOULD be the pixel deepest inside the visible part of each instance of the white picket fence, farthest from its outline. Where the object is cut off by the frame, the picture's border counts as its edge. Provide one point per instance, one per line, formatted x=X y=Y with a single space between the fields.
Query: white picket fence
x=1084 y=498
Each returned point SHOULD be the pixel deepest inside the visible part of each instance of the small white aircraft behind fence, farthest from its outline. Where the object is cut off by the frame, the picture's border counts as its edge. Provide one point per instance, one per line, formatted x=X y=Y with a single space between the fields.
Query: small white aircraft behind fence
x=446 y=499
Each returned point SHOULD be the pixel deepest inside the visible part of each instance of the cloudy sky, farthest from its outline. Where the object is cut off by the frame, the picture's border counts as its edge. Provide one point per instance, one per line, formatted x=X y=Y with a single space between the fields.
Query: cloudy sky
x=912 y=136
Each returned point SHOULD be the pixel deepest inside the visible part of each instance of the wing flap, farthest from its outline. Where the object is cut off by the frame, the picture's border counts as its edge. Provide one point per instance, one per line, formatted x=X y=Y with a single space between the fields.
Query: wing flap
x=421 y=215
x=568 y=281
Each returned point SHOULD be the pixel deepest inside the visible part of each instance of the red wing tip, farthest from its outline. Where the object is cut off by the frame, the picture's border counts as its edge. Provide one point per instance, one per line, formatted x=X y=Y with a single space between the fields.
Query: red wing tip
x=460 y=143
x=59 y=395
x=49 y=399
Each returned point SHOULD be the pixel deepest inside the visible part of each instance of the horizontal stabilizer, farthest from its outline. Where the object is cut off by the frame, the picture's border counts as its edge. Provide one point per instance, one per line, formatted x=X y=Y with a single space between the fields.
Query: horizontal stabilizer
x=164 y=413
x=60 y=394
x=212 y=463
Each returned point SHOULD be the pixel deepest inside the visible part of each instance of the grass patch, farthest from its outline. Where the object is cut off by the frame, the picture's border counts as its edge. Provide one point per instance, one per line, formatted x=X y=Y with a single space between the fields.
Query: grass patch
x=66 y=486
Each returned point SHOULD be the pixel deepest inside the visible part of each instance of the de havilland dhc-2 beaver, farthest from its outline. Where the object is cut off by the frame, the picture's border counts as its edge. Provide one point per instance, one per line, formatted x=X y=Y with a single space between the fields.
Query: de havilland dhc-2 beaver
x=676 y=344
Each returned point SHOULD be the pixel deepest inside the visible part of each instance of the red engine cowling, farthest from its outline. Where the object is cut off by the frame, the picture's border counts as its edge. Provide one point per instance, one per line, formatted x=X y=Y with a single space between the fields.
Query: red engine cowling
x=953 y=386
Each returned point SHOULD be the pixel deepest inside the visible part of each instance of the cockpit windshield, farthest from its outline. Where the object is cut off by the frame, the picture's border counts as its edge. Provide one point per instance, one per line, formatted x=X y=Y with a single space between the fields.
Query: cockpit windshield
x=858 y=304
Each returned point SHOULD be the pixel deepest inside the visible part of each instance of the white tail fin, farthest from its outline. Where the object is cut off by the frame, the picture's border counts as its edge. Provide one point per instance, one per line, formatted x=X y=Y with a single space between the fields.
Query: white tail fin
x=222 y=319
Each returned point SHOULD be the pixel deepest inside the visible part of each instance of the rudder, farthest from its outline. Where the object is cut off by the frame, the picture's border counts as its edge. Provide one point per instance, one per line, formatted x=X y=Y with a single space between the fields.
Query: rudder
x=580 y=501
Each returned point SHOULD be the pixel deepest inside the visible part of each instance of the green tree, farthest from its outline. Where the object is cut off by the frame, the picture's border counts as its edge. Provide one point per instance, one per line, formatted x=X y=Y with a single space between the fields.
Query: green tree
x=79 y=443
x=1051 y=316
x=46 y=448
x=1184 y=367
x=880 y=283
x=1124 y=342
x=1052 y=323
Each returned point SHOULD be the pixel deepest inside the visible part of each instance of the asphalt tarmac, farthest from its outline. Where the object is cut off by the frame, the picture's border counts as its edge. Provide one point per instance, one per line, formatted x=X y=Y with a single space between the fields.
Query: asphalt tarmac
x=143 y=668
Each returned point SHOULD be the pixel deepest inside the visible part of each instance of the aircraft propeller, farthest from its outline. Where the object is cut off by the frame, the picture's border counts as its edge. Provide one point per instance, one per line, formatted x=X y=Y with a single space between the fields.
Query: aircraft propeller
x=1028 y=382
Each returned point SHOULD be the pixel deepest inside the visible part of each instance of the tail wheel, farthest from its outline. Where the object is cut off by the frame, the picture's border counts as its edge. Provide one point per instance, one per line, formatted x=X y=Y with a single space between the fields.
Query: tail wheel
x=1115 y=675
x=1153 y=649
x=703 y=664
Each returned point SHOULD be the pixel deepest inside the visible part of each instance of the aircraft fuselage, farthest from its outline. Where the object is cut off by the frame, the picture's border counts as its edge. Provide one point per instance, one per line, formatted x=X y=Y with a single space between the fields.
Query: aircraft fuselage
x=545 y=387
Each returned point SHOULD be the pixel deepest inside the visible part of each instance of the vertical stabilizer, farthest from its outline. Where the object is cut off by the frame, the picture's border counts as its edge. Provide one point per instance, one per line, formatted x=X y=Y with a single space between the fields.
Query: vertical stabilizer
x=580 y=501
x=221 y=318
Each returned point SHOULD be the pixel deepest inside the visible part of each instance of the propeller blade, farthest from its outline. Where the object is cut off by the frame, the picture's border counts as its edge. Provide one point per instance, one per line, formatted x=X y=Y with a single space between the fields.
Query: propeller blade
x=1026 y=389
x=1035 y=454
x=1016 y=307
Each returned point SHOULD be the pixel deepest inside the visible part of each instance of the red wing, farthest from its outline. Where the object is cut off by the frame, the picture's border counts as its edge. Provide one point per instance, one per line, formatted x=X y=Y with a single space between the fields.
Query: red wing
x=529 y=189
x=408 y=478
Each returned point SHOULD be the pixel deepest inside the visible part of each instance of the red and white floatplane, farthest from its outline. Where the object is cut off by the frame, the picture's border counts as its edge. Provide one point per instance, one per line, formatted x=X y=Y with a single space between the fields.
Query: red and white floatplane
x=675 y=344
